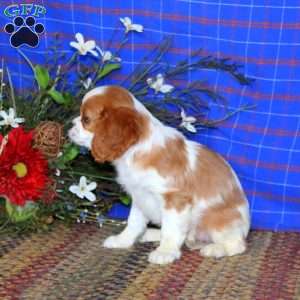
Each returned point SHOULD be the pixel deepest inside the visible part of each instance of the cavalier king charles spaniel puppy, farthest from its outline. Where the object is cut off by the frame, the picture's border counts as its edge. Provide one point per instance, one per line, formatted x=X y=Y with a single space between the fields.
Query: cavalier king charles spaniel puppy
x=188 y=191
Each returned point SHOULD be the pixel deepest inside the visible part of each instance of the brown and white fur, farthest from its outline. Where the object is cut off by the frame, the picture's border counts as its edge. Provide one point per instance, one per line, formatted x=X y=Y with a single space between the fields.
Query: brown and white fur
x=183 y=187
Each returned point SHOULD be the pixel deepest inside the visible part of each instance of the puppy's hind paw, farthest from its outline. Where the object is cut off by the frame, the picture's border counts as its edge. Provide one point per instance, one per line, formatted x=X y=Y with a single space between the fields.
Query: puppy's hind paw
x=163 y=257
x=219 y=250
x=117 y=241
x=150 y=235
x=213 y=250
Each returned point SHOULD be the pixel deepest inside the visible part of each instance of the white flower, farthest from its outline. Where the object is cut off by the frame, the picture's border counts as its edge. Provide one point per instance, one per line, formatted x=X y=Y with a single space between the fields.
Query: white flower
x=87 y=83
x=57 y=172
x=10 y=118
x=131 y=27
x=158 y=85
x=84 y=47
x=107 y=55
x=83 y=189
x=187 y=122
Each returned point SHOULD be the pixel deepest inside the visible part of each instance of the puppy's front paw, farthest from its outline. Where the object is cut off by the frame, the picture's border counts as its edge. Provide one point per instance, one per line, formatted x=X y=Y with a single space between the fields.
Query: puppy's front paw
x=162 y=257
x=117 y=241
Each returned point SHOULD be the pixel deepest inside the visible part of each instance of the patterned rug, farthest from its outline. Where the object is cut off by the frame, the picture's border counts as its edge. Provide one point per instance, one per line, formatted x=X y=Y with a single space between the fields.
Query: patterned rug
x=69 y=263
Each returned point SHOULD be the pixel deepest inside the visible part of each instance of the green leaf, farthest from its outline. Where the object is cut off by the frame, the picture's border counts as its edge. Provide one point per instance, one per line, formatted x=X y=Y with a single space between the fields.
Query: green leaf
x=108 y=69
x=60 y=165
x=21 y=213
x=70 y=152
x=68 y=99
x=57 y=96
x=125 y=199
x=42 y=76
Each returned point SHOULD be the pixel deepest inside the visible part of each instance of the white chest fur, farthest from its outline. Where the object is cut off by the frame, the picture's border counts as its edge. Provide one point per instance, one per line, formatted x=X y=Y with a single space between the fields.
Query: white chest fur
x=144 y=186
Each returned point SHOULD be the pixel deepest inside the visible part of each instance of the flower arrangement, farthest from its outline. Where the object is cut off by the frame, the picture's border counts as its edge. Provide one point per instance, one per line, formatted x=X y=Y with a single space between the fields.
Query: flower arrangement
x=43 y=176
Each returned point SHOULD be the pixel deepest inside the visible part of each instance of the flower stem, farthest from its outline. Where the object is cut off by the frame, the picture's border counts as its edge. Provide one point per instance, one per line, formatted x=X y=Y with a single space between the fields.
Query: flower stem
x=12 y=92
x=1 y=84
x=4 y=225
x=90 y=175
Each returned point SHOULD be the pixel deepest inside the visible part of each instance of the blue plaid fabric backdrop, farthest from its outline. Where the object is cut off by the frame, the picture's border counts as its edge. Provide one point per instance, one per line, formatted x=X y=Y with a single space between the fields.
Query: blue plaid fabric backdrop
x=262 y=144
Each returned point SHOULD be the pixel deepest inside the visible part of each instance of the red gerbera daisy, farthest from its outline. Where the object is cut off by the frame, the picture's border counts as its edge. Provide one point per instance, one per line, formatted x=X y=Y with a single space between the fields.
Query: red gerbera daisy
x=23 y=169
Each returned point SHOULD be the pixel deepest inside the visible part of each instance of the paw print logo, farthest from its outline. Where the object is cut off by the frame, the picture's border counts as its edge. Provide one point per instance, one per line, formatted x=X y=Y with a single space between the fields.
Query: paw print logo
x=24 y=32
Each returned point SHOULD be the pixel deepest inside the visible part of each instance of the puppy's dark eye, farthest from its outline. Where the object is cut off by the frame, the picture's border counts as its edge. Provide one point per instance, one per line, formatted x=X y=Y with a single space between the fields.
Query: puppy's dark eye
x=86 y=120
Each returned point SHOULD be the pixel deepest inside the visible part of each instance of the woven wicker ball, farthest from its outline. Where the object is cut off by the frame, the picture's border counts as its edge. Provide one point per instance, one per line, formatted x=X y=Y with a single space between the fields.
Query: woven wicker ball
x=48 y=138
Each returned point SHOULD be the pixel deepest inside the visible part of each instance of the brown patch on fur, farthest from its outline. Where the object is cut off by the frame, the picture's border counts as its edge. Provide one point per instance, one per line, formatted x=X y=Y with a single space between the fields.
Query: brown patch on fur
x=95 y=107
x=221 y=215
x=169 y=160
x=177 y=200
x=210 y=177
x=117 y=130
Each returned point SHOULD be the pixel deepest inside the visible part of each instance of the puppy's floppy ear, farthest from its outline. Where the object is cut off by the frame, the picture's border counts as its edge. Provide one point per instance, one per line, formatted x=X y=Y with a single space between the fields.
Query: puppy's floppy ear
x=117 y=130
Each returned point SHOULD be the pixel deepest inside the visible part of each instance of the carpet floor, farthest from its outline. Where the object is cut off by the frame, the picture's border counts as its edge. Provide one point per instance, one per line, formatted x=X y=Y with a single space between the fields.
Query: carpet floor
x=69 y=263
